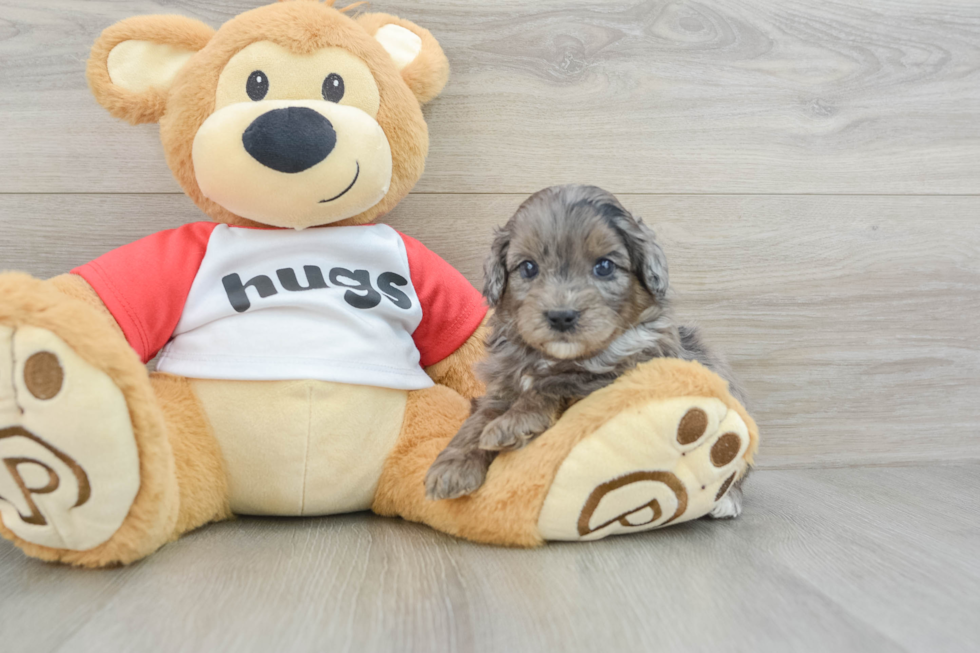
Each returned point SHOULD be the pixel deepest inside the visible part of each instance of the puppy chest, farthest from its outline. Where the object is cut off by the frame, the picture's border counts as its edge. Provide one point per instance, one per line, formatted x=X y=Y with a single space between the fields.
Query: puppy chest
x=302 y=447
x=335 y=304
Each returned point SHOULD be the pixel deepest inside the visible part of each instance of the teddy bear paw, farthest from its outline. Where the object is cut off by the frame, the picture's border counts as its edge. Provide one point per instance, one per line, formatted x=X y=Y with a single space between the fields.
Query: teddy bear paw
x=665 y=462
x=69 y=465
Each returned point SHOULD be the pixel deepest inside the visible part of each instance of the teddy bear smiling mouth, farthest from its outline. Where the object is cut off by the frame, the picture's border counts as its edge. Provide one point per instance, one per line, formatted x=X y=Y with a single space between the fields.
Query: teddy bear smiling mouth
x=357 y=173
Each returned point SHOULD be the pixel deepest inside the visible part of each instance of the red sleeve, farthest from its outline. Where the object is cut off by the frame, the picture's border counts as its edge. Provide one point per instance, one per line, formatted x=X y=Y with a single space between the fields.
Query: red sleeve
x=452 y=308
x=145 y=284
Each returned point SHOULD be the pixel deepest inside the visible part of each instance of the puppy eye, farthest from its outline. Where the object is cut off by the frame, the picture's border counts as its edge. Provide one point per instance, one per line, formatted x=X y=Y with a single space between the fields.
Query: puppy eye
x=529 y=269
x=333 y=88
x=257 y=85
x=603 y=268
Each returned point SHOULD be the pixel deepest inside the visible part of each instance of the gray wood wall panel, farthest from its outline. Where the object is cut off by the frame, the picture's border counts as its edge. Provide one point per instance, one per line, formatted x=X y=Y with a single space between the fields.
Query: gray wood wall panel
x=717 y=96
x=851 y=320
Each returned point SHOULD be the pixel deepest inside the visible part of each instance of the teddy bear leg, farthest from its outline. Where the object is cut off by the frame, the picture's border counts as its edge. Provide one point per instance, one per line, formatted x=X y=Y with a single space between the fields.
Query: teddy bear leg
x=665 y=444
x=493 y=514
x=662 y=445
x=87 y=471
x=201 y=476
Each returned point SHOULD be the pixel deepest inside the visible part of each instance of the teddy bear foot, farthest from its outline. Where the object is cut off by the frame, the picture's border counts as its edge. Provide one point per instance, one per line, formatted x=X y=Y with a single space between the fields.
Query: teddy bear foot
x=663 y=462
x=69 y=464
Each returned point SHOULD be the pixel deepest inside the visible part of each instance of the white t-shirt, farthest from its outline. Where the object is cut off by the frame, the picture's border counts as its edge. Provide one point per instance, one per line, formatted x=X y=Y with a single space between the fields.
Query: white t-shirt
x=364 y=305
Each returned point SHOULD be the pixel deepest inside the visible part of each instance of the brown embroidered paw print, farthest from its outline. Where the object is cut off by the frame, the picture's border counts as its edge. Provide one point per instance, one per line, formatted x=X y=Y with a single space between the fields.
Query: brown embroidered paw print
x=669 y=461
x=61 y=487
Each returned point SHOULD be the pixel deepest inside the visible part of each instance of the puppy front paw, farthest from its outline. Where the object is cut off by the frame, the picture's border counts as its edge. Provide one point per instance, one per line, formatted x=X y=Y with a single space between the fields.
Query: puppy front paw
x=510 y=432
x=729 y=506
x=455 y=474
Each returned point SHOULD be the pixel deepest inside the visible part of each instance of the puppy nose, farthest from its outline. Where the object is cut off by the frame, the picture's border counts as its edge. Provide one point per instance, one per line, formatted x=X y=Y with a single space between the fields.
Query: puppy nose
x=290 y=140
x=563 y=319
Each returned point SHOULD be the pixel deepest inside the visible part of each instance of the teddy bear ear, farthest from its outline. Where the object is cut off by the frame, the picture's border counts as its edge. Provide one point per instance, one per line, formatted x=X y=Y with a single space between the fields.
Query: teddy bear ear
x=416 y=53
x=134 y=62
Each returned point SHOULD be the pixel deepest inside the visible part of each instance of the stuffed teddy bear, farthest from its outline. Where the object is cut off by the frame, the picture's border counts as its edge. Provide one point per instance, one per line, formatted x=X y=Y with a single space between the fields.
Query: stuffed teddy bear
x=312 y=359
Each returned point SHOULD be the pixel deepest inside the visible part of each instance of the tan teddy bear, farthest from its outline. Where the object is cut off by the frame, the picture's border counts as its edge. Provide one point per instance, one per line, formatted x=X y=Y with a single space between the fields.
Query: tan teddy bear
x=310 y=362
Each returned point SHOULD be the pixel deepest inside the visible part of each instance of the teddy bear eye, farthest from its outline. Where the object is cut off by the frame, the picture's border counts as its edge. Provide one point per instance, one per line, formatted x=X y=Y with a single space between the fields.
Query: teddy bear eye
x=257 y=85
x=333 y=88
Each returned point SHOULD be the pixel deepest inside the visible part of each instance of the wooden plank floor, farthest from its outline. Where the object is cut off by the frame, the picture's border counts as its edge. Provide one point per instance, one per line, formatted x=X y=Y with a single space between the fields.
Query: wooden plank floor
x=813 y=169
x=823 y=560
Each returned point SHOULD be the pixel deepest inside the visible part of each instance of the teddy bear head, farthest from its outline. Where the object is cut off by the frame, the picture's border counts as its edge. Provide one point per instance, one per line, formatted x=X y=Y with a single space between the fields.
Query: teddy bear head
x=290 y=115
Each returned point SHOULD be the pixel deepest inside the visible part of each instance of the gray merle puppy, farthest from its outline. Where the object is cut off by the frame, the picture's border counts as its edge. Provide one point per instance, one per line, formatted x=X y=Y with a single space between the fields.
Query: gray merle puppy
x=578 y=287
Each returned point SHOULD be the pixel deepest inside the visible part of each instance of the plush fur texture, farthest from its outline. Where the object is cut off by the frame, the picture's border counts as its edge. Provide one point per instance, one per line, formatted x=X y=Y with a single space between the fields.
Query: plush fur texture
x=147 y=106
x=505 y=510
x=183 y=481
x=154 y=513
x=198 y=464
x=456 y=370
x=72 y=285
x=301 y=27
x=428 y=74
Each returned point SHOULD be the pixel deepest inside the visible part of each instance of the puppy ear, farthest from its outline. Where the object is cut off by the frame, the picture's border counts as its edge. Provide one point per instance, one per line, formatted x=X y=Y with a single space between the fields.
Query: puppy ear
x=415 y=52
x=653 y=262
x=495 y=268
x=134 y=62
x=649 y=261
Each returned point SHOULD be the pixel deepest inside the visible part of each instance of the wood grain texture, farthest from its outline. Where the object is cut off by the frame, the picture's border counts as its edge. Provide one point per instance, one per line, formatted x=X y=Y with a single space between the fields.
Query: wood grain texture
x=822 y=560
x=851 y=320
x=715 y=96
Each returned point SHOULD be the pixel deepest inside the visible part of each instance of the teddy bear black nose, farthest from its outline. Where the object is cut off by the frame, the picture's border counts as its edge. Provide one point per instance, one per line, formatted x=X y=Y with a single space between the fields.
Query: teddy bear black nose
x=290 y=140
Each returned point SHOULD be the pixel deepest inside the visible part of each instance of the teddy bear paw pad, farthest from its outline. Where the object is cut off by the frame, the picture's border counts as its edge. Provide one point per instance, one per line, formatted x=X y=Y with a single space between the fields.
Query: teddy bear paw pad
x=69 y=465
x=661 y=463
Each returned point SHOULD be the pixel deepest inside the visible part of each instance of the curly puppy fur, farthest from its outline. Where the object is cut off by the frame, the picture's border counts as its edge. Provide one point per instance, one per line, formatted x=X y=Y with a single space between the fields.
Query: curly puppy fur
x=579 y=287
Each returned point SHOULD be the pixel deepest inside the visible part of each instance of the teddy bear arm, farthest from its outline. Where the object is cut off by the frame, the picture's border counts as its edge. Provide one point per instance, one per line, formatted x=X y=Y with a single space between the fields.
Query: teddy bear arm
x=75 y=287
x=661 y=445
x=456 y=370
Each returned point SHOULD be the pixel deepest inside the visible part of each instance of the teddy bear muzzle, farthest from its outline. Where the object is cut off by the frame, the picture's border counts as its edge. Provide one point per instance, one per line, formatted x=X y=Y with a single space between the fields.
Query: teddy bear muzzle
x=289 y=163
